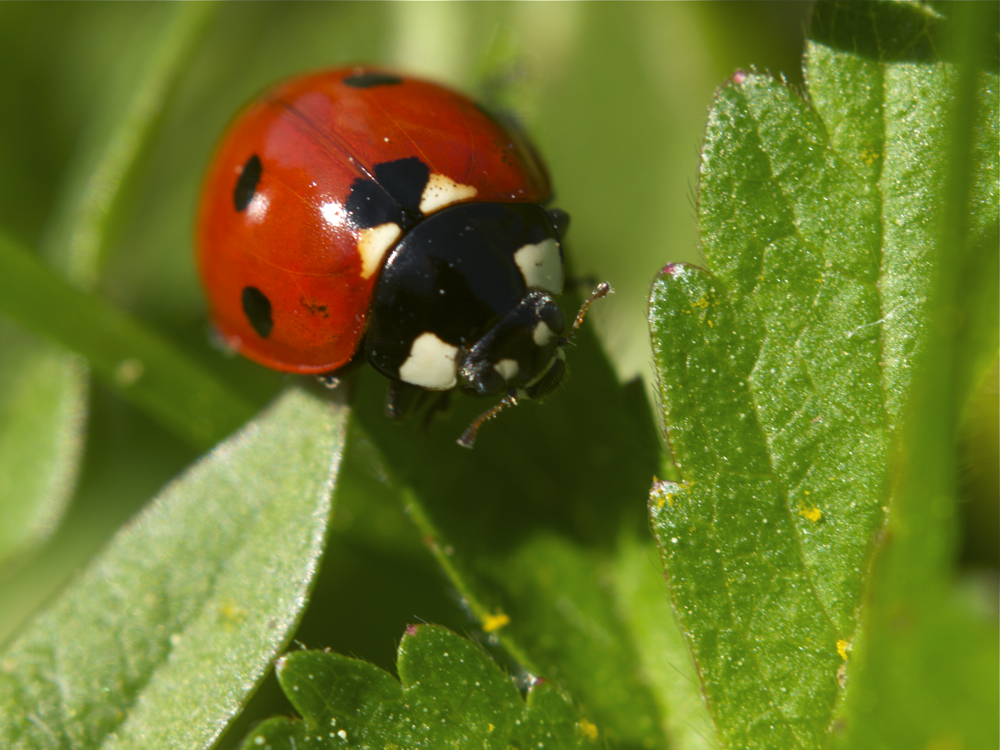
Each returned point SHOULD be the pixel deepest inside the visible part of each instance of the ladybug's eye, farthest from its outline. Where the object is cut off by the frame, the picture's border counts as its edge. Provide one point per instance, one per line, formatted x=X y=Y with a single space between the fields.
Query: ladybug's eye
x=552 y=316
x=246 y=185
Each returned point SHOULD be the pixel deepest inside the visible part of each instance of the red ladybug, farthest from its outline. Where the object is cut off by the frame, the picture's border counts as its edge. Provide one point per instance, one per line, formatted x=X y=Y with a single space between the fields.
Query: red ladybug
x=358 y=213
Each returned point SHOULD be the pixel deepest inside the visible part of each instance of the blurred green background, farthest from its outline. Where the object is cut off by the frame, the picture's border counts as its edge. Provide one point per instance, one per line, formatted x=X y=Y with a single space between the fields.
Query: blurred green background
x=615 y=95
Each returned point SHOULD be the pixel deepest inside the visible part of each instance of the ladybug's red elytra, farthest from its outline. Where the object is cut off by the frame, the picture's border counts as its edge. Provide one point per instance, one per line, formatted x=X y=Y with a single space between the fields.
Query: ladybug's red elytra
x=360 y=214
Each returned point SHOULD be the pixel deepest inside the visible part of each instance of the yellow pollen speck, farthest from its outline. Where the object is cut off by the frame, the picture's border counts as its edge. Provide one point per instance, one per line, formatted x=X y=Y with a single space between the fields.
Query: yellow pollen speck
x=843 y=648
x=869 y=156
x=588 y=729
x=811 y=514
x=492 y=623
x=702 y=303
x=231 y=615
x=490 y=726
x=710 y=324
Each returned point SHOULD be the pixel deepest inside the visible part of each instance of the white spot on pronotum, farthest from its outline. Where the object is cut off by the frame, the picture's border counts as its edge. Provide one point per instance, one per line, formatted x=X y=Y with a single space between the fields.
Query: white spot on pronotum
x=374 y=244
x=442 y=191
x=541 y=266
x=342 y=734
x=507 y=368
x=431 y=364
x=542 y=335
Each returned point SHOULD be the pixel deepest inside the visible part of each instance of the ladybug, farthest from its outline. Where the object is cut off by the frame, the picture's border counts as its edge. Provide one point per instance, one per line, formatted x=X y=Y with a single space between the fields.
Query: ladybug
x=357 y=214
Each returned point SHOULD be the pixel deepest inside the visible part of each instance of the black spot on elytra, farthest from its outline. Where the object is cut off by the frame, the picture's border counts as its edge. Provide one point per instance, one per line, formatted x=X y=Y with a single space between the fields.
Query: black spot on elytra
x=257 y=308
x=394 y=195
x=404 y=180
x=369 y=205
x=367 y=80
x=246 y=185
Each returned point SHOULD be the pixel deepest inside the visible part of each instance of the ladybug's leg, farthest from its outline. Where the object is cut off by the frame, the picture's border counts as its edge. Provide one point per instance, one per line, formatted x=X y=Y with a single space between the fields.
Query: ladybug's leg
x=440 y=402
x=402 y=400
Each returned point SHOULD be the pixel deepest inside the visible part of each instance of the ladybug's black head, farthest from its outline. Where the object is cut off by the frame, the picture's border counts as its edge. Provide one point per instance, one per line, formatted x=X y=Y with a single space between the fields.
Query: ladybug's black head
x=547 y=379
x=517 y=351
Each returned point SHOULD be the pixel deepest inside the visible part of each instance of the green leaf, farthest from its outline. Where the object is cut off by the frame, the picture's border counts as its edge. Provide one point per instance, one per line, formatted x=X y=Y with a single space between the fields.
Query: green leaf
x=784 y=370
x=452 y=695
x=764 y=643
x=925 y=672
x=43 y=388
x=162 y=638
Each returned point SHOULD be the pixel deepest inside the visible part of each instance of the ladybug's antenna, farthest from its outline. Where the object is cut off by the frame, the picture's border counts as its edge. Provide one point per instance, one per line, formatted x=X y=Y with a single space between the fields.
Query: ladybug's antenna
x=468 y=438
x=603 y=290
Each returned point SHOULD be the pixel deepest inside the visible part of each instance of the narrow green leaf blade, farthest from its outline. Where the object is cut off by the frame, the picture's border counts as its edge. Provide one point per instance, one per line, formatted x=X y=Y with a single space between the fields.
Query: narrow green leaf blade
x=452 y=695
x=925 y=672
x=160 y=640
x=43 y=388
x=117 y=137
x=127 y=355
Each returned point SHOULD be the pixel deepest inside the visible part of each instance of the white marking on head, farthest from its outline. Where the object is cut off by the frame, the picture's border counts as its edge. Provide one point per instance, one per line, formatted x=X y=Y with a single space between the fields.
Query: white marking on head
x=541 y=266
x=431 y=364
x=542 y=335
x=374 y=244
x=442 y=191
x=508 y=368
